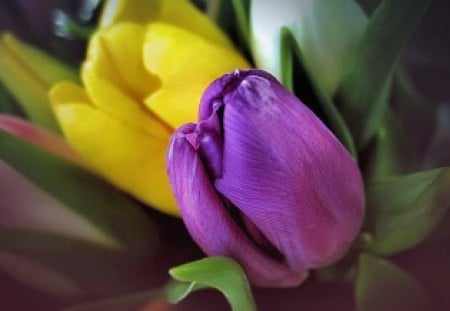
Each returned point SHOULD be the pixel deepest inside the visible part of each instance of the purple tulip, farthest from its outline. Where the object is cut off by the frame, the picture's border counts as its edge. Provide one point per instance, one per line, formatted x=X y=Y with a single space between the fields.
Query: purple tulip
x=262 y=180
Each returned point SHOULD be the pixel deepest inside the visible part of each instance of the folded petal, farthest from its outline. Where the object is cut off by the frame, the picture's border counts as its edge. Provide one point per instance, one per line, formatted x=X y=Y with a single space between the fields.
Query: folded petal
x=286 y=172
x=128 y=158
x=118 y=105
x=115 y=54
x=210 y=223
x=198 y=62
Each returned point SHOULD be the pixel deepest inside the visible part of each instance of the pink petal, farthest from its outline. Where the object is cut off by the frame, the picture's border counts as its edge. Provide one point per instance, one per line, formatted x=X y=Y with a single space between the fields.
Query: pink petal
x=39 y=137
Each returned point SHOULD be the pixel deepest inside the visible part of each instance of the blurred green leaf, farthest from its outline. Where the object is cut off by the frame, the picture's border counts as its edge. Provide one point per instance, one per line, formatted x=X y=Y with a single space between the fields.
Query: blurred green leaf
x=400 y=144
x=389 y=153
x=232 y=16
x=28 y=74
x=368 y=5
x=438 y=151
x=100 y=204
x=47 y=68
x=415 y=114
x=7 y=104
x=380 y=285
x=289 y=50
x=241 y=9
x=403 y=211
x=220 y=273
x=66 y=27
x=362 y=96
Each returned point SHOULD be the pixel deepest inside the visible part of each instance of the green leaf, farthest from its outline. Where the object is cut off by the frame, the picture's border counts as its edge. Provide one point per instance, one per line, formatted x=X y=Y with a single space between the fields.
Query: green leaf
x=390 y=152
x=7 y=104
x=368 y=5
x=28 y=74
x=380 y=285
x=325 y=31
x=403 y=211
x=241 y=9
x=85 y=194
x=48 y=69
x=362 y=94
x=232 y=17
x=220 y=273
x=415 y=114
x=399 y=144
x=177 y=291
x=438 y=151
x=289 y=50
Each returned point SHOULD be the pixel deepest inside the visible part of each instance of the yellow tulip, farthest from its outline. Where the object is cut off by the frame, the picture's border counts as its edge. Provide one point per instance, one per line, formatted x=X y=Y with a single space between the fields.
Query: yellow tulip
x=140 y=82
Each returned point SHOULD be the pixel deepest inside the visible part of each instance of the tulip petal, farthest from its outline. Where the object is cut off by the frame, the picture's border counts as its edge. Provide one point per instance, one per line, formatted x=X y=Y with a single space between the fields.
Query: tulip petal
x=182 y=85
x=130 y=159
x=116 y=11
x=209 y=222
x=105 y=77
x=176 y=12
x=279 y=159
x=40 y=137
x=125 y=109
x=67 y=92
x=183 y=14
x=109 y=50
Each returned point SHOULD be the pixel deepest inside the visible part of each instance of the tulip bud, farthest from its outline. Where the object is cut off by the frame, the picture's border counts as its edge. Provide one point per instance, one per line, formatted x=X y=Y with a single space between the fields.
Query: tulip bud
x=262 y=180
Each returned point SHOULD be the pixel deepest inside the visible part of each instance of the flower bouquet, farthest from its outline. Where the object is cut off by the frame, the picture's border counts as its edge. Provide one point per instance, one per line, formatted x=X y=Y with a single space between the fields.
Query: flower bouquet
x=284 y=155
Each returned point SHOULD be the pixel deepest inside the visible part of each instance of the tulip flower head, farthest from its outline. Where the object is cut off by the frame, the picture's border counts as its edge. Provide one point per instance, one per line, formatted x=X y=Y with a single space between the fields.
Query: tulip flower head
x=261 y=179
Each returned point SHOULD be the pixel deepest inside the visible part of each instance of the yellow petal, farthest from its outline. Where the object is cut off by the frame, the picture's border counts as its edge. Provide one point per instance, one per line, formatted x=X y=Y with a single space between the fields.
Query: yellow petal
x=183 y=14
x=176 y=12
x=67 y=92
x=115 y=54
x=136 y=11
x=116 y=80
x=113 y=102
x=129 y=159
x=186 y=65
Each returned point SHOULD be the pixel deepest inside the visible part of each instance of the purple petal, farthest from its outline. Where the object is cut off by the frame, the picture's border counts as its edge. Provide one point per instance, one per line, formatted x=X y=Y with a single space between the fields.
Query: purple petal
x=286 y=172
x=210 y=223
